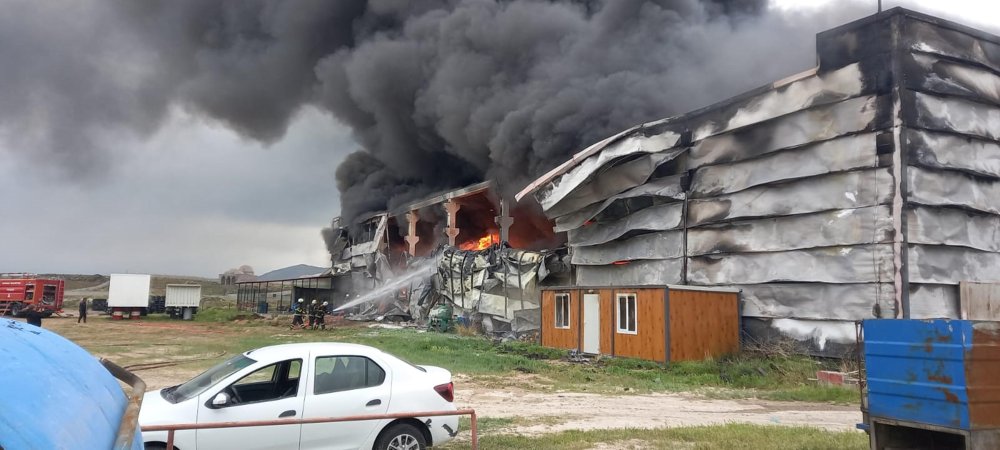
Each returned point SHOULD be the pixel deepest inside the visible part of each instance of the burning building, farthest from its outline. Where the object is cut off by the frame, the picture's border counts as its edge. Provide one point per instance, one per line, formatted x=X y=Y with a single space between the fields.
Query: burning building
x=471 y=248
x=866 y=186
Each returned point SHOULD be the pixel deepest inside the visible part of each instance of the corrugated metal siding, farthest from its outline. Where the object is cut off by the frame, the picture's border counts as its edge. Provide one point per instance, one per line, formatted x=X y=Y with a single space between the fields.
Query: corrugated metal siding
x=183 y=295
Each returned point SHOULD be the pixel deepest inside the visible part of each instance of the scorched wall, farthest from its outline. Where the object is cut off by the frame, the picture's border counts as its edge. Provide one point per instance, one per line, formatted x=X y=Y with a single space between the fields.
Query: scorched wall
x=868 y=186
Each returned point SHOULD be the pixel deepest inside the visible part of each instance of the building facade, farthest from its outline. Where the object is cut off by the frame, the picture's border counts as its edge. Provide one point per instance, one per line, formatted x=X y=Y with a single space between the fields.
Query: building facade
x=868 y=186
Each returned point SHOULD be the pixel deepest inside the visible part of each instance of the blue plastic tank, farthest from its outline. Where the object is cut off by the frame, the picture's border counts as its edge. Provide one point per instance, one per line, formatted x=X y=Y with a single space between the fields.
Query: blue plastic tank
x=54 y=394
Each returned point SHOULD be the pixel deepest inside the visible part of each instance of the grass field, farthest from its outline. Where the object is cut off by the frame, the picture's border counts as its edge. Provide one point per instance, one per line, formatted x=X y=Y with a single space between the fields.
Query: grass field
x=220 y=332
x=749 y=375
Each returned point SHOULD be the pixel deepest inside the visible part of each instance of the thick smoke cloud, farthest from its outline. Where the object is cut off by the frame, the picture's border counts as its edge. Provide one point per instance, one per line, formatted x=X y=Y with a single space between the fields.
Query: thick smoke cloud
x=439 y=94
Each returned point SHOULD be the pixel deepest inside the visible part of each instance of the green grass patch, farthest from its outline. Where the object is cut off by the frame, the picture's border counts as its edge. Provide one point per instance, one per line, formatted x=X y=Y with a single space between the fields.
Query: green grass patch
x=814 y=393
x=747 y=375
x=513 y=364
x=211 y=314
x=732 y=436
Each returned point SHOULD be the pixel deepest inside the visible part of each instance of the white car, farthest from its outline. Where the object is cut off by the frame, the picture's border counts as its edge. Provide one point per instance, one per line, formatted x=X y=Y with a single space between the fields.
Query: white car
x=304 y=381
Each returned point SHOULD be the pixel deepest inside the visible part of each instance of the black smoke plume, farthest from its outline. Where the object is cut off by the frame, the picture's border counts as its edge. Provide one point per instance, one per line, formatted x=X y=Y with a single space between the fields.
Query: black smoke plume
x=439 y=94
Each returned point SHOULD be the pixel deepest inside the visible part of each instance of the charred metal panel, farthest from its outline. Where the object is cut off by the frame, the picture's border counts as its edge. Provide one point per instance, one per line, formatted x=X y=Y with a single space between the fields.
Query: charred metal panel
x=635 y=143
x=796 y=129
x=612 y=180
x=667 y=187
x=954 y=41
x=949 y=188
x=820 y=301
x=858 y=264
x=637 y=273
x=934 y=301
x=804 y=93
x=655 y=218
x=930 y=73
x=949 y=265
x=837 y=155
x=829 y=228
x=948 y=151
x=957 y=115
x=662 y=245
x=859 y=40
x=953 y=226
x=837 y=191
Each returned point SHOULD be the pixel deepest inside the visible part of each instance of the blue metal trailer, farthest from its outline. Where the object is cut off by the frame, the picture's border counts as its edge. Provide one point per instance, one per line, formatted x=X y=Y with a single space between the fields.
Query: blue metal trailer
x=931 y=384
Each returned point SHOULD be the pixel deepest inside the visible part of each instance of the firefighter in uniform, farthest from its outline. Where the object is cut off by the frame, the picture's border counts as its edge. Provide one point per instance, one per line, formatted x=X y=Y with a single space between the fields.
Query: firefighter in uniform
x=300 y=309
x=312 y=315
x=321 y=315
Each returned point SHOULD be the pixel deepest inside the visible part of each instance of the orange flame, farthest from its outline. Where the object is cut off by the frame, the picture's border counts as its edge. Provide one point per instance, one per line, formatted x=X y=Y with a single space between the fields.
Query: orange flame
x=482 y=243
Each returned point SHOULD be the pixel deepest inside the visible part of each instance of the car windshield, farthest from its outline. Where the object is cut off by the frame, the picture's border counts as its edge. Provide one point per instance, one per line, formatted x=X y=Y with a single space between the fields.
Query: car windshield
x=198 y=384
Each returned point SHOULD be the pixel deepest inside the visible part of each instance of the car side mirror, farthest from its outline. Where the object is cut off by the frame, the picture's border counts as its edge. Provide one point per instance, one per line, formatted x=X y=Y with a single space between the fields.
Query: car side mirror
x=220 y=399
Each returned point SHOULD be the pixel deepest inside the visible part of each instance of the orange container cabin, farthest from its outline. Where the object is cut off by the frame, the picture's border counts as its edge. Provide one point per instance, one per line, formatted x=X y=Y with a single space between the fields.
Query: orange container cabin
x=657 y=323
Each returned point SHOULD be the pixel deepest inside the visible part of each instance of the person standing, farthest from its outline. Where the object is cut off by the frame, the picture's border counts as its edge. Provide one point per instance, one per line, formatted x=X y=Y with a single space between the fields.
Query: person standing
x=312 y=315
x=299 y=311
x=321 y=315
x=34 y=315
x=83 y=311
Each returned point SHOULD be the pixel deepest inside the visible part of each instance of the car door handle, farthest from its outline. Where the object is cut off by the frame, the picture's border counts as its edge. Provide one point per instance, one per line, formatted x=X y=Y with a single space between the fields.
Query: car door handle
x=375 y=402
x=289 y=413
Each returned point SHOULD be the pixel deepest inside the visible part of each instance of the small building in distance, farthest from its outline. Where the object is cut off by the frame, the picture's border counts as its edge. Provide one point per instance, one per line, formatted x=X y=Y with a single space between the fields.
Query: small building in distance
x=242 y=274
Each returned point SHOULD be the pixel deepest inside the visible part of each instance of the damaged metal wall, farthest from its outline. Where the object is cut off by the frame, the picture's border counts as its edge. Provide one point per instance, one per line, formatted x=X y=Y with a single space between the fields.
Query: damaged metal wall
x=499 y=283
x=869 y=186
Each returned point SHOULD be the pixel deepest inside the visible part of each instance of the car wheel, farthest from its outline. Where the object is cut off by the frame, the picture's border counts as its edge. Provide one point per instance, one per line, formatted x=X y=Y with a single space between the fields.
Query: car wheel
x=401 y=436
x=15 y=309
x=155 y=447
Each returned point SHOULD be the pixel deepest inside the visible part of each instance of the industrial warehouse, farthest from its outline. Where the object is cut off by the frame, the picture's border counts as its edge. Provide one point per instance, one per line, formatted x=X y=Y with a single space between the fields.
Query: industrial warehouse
x=866 y=187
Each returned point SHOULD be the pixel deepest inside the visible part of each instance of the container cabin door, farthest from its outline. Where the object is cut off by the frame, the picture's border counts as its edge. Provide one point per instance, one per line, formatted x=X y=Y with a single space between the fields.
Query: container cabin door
x=591 y=323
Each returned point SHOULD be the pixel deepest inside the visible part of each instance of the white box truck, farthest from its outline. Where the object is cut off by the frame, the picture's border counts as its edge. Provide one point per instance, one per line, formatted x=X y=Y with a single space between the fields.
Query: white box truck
x=183 y=300
x=128 y=295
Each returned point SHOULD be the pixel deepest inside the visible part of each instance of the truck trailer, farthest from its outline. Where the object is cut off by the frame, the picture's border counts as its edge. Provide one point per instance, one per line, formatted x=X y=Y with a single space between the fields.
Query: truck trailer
x=183 y=300
x=20 y=291
x=128 y=296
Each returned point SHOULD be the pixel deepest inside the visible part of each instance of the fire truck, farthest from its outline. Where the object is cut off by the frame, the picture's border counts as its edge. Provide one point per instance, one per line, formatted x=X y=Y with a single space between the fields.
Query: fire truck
x=19 y=291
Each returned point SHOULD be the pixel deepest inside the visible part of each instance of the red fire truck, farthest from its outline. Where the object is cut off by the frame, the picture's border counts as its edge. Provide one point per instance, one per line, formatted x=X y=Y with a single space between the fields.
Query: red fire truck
x=18 y=291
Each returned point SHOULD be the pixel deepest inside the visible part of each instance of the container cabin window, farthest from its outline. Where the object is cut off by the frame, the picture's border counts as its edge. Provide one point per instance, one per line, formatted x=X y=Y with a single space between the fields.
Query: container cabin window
x=562 y=311
x=626 y=314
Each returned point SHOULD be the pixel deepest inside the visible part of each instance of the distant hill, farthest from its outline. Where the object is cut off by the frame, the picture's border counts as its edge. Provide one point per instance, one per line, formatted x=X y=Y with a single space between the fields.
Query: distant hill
x=296 y=271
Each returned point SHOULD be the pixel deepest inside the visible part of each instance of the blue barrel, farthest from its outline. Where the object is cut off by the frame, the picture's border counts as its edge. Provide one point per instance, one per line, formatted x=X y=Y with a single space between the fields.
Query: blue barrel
x=262 y=307
x=55 y=395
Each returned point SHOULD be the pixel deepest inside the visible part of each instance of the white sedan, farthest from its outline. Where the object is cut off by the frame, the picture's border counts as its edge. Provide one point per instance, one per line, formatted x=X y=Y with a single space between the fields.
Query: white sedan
x=309 y=380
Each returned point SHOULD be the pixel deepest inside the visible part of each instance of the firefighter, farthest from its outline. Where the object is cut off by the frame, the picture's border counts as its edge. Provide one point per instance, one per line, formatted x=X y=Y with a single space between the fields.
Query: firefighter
x=312 y=315
x=300 y=309
x=83 y=311
x=321 y=315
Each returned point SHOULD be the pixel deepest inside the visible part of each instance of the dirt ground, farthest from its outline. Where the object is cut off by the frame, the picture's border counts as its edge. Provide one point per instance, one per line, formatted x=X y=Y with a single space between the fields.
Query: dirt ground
x=535 y=412
x=555 y=412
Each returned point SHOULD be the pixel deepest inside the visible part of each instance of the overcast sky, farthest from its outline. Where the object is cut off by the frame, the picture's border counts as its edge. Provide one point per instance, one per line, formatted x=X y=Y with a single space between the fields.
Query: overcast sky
x=194 y=198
